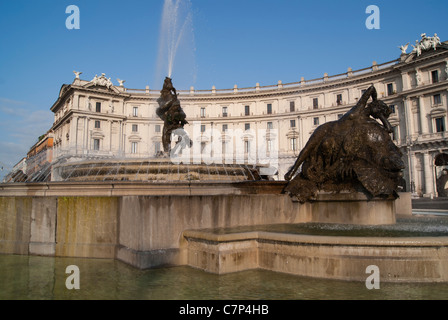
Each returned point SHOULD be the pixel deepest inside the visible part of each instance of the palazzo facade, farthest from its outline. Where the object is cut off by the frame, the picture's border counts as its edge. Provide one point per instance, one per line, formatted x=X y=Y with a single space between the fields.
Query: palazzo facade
x=99 y=119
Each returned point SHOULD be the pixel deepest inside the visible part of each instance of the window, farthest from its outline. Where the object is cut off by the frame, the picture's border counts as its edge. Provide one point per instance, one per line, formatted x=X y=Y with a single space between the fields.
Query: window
x=97 y=124
x=157 y=128
x=157 y=147
x=98 y=107
x=246 y=146
x=134 y=147
x=270 y=126
x=315 y=103
x=339 y=99
x=247 y=126
x=134 y=128
x=269 y=107
x=135 y=111
x=316 y=121
x=224 y=147
x=96 y=144
x=247 y=110
x=292 y=123
x=435 y=76
x=203 y=145
x=224 y=111
x=292 y=106
x=390 y=89
x=293 y=144
x=202 y=112
x=392 y=108
x=395 y=133
x=440 y=124
x=202 y=128
x=437 y=99
x=268 y=145
x=225 y=127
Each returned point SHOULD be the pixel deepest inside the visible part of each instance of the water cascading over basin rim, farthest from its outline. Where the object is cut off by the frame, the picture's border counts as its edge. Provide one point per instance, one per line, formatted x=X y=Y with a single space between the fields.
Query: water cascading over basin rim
x=152 y=170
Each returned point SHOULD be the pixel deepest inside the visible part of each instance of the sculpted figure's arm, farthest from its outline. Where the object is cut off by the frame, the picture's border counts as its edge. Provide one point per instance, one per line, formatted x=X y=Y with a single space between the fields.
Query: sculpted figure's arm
x=361 y=105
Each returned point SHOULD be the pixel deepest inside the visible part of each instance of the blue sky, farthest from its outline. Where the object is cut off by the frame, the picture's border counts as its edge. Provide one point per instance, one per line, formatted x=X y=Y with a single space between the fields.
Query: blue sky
x=232 y=42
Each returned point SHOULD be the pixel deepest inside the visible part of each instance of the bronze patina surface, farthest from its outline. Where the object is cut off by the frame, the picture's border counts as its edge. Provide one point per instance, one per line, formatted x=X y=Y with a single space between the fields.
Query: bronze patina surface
x=355 y=153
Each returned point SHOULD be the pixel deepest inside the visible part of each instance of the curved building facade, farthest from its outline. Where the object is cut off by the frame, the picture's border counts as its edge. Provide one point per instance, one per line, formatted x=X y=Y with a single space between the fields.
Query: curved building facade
x=96 y=119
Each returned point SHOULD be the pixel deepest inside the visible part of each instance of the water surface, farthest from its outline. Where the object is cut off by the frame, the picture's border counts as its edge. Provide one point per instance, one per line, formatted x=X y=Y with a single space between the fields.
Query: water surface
x=43 y=278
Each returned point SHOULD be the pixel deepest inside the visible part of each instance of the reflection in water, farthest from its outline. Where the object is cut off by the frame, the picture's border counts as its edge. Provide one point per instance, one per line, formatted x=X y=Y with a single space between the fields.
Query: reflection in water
x=31 y=277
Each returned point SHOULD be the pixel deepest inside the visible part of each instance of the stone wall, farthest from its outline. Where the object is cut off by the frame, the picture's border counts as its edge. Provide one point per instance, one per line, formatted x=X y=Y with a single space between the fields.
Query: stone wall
x=339 y=258
x=143 y=224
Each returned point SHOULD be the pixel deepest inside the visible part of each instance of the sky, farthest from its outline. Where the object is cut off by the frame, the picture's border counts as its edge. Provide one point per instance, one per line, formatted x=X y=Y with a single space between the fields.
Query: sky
x=229 y=42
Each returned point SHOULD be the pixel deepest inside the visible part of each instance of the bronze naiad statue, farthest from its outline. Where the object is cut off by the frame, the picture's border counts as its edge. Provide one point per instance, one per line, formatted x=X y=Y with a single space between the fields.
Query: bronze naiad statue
x=173 y=116
x=355 y=153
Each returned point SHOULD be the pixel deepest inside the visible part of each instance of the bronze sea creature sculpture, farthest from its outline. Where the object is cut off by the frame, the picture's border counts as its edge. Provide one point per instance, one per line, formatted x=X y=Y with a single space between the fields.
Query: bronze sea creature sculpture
x=355 y=153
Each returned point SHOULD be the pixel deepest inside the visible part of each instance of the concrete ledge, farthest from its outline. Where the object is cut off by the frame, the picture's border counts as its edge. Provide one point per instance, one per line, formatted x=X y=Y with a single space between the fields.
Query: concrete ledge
x=342 y=258
x=135 y=188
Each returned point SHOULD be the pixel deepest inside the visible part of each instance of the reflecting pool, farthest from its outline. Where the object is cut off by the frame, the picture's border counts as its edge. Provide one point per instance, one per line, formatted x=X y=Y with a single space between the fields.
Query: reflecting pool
x=43 y=278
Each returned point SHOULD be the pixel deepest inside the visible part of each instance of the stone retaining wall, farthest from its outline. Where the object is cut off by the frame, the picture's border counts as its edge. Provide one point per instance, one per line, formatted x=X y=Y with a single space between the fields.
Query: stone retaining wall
x=143 y=224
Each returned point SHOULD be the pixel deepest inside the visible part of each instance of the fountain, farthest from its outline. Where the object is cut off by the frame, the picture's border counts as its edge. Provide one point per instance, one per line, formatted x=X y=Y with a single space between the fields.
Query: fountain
x=326 y=221
x=176 y=32
x=334 y=218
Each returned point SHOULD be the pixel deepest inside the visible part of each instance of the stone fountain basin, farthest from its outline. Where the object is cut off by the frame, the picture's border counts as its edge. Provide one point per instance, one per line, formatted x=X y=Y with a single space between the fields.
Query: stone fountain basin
x=211 y=226
x=343 y=254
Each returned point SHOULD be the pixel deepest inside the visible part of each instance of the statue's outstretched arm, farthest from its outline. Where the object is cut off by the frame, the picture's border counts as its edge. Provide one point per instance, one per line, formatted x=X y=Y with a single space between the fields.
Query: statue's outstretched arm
x=371 y=92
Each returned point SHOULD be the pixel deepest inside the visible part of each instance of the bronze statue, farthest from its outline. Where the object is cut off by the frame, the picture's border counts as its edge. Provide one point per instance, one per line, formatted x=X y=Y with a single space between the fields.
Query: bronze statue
x=355 y=153
x=171 y=113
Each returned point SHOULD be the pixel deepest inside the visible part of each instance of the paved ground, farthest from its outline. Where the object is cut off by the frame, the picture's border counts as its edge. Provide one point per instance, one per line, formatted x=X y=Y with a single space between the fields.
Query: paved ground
x=434 y=204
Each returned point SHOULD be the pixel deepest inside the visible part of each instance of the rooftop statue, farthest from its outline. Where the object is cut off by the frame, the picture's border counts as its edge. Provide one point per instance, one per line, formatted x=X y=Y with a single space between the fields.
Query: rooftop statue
x=404 y=48
x=426 y=43
x=171 y=113
x=102 y=81
x=355 y=153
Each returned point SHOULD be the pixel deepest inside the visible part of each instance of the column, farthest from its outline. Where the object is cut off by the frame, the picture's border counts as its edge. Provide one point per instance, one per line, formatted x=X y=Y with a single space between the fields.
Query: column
x=415 y=177
x=76 y=102
x=428 y=167
x=300 y=129
x=86 y=135
x=73 y=134
x=423 y=117
x=405 y=81
x=111 y=123
x=409 y=119
x=123 y=137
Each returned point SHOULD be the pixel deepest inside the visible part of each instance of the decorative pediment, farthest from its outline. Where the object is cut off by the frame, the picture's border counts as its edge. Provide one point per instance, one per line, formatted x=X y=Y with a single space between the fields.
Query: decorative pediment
x=270 y=135
x=63 y=90
x=292 y=134
x=438 y=111
x=225 y=138
x=97 y=135
x=102 y=82
x=135 y=138
x=422 y=46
